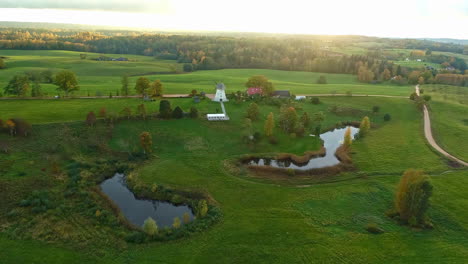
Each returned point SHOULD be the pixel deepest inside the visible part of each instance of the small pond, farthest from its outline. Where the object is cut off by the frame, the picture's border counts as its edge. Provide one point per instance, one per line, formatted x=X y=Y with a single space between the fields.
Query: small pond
x=138 y=210
x=332 y=140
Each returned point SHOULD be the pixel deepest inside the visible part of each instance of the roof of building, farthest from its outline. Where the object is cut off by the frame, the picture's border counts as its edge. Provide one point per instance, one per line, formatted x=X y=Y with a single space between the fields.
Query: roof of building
x=254 y=90
x=282 y=93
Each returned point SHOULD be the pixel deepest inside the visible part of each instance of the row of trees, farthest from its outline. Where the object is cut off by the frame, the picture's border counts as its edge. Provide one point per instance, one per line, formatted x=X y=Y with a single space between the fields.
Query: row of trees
x=20 y=85
x=15 y=127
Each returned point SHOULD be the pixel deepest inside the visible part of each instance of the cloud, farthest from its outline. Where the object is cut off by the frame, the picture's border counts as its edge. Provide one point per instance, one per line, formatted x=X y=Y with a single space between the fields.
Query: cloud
x=140 y=6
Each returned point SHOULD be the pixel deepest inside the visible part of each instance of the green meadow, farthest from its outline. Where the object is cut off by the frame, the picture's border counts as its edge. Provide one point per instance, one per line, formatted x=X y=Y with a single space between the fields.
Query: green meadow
x=102 y=78
x=316 y=222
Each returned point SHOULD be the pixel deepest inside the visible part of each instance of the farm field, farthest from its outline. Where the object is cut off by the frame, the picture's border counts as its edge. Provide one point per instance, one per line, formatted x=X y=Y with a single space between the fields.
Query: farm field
x=101 y=78
x=312 y=223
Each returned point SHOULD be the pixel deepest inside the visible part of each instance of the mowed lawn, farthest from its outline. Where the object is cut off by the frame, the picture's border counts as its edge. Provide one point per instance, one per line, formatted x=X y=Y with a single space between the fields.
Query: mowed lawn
x=102 y=78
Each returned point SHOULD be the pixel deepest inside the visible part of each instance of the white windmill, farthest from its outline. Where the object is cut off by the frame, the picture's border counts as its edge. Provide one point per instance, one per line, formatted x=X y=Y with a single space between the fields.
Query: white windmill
x=220 y=93
x=220 y=97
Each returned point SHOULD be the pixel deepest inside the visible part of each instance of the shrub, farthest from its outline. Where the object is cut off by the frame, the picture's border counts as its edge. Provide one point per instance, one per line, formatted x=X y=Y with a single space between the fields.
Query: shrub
x=413 y=96
x=375 y=109
x=136 y=237
x=315 y=100
x=193 y=112
x=322 y=79
x=374 y=229
x=412 y=197
x=387 y=117
x=273 y=140
x=150 y=227
x=178 y=113
x=427 y=98
x=291 y=172
x=154 y=187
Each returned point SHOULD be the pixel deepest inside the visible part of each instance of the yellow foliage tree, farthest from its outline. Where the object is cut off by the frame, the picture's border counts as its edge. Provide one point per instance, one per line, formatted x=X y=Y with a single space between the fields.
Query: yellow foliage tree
x=347 y=141
x=365 y=126
x=269 y=125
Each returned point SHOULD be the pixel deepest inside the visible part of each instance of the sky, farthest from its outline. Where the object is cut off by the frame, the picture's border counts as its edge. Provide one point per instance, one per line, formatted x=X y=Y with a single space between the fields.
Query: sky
x=396 y=18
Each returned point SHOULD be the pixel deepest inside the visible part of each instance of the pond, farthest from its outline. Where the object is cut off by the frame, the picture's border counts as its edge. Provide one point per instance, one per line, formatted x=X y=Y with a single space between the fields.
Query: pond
x=138 y=210
x=331 y=141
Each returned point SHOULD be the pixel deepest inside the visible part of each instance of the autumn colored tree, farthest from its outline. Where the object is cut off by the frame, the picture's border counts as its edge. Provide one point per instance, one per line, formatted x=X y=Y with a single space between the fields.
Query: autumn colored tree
x=365 y=126
x=348 y=140
x=253 y=112
x=365 y=75
x=262 y=82
x=157 y=89
x=142 y=85
x=10 y=125
x=202 y=208
x=146 y=142
x=269 y=125
x=124 y=88
x=66 y=82
x=176 y=224
x=18 y=85
x=412 y=197
x=90 y=119
x=102 y=112
x=150 y=227
x=386 y=74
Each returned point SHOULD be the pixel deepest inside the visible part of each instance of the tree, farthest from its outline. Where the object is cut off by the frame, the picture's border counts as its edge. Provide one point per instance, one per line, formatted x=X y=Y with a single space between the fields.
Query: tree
x=176 y=223
x=262 y=82
x=412 y=197
x=102 y=112
x=150 y=227
x=319 y=117
x=347 y=141
x=126 y=112
x=2 y=64
x=253 y=112
x=141 y=111
x=142 y=85
x=322 y=79
x=124 y=85
x=157 y=88
x=269 y=125
x=177 y=113
x=427 y=98
x=386 y=74
x=202 y=208
x=21 y=127
x=36 y=90
x=188 y=67
x=364 y=127
x=288 y=119
x=18 y=85
x=165 y=109
x=193 y=93
x=47 y=76
x=186 y=218
x=90 y=119
x=193 y=112
x=146 y=142
x=83 y=56
x=413 y=96
x=421 y=80
x=375 y=109
x=66 y=82
x=387 y=117
x=10 y=125
x=305 y=119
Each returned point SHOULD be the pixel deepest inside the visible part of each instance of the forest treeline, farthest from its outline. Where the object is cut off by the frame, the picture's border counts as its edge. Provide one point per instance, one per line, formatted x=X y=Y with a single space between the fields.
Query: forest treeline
x=208 y=52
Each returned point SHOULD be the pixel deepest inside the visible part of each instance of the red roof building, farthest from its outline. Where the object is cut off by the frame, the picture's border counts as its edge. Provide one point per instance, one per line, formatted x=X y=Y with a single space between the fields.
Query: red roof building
x=254 y=90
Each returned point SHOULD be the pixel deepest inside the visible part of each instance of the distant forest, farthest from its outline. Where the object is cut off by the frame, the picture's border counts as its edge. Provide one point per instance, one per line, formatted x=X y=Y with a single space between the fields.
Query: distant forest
x=208 y=51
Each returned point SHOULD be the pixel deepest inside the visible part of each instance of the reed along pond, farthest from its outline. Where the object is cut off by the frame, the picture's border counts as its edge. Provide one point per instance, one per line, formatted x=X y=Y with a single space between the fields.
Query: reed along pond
x=138 y=210
x=332 y=140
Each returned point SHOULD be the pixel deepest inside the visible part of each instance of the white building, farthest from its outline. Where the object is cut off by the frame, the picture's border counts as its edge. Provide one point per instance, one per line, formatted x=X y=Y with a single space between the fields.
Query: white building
x=220 y=93
x=217 y=117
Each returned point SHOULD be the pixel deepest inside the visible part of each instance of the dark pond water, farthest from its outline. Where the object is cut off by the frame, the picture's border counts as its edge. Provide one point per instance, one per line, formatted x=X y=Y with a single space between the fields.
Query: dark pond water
x=138 y=210
x=331 y=141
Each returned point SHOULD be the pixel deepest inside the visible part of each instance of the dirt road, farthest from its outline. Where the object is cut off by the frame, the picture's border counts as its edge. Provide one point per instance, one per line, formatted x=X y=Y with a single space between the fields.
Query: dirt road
x=430 y=138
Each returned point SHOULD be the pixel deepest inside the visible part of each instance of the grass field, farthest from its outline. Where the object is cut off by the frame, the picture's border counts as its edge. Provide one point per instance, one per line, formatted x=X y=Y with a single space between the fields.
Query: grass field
x=104 y=77
x=266 y=222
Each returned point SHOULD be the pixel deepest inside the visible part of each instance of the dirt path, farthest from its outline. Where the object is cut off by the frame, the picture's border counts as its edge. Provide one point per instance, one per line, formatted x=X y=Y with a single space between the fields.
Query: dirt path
x=430 y=138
